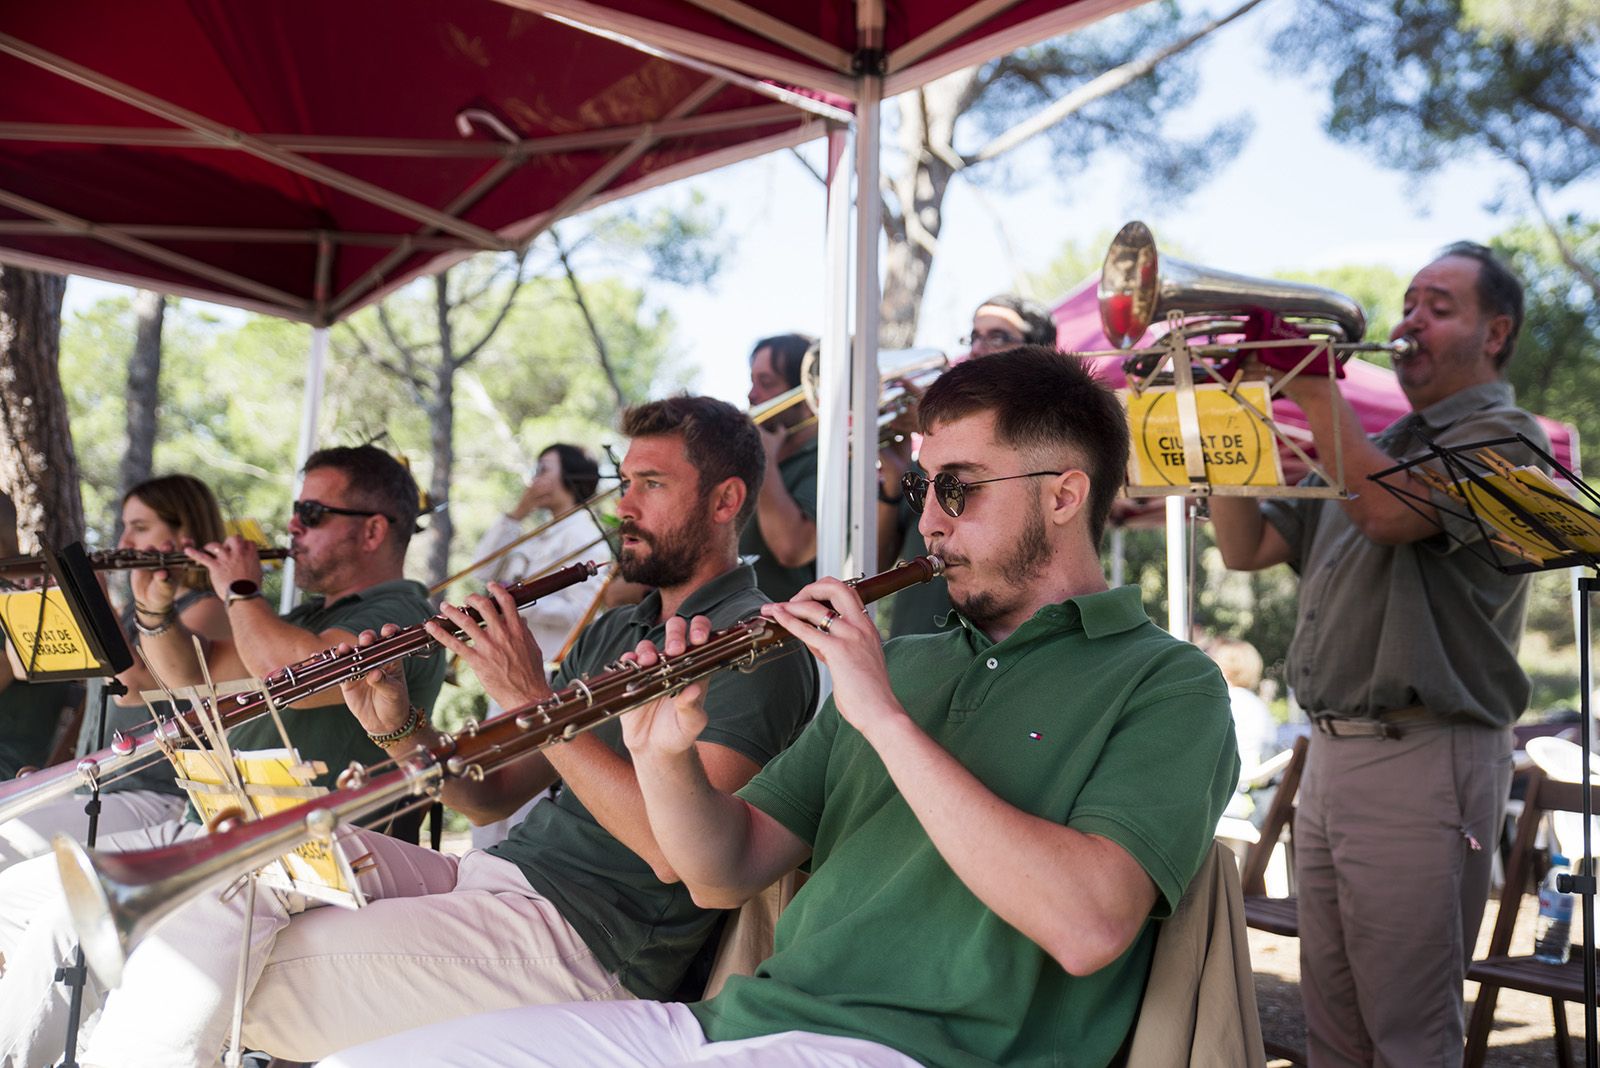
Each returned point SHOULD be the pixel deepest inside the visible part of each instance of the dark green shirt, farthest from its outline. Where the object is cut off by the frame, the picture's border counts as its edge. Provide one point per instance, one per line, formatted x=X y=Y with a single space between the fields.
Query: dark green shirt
x=640 y=929
x=330 y=733
x=29 y=714
x=799 y=474
x=1383 y=627
x=1088 y=716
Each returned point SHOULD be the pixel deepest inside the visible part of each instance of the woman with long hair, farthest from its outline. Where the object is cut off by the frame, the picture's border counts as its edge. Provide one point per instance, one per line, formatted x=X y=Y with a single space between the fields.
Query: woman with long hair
x=160 y=513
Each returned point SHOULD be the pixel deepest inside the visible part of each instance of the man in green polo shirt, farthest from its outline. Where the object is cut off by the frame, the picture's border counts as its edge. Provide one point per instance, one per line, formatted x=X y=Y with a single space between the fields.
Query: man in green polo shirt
x=578 y=903
x=783 y=535
x=993 y=815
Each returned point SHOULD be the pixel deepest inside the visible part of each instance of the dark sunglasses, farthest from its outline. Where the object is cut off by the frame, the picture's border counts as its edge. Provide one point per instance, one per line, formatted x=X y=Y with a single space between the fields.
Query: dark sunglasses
x=950 y=491
x=310 y=513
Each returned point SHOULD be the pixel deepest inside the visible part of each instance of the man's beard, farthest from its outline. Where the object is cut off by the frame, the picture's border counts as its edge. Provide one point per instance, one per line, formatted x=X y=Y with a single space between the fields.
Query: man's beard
x=673 y=556
x=1013 y=574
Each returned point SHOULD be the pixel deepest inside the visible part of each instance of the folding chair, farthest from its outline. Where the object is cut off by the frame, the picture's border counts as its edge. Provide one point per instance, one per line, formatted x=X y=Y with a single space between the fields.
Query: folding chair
x=1500 y=968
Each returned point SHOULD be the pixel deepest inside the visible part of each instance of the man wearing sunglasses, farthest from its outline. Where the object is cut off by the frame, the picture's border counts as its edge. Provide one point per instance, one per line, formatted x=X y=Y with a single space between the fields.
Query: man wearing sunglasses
x=992 y=815
x=348 y=533
x=576 y=903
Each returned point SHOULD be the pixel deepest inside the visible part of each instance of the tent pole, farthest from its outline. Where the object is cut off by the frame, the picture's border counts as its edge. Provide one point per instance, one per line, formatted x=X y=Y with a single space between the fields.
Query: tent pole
x=1119 y=556
x=1177 y=568
x=833 y=449
x=310 y=415
x=863 y=556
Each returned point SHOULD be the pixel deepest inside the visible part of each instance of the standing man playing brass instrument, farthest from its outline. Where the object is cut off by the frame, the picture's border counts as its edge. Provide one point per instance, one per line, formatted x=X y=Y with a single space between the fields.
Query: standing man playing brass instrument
x=987 y=847
x=783 y=537
x=349 y=532
x=1404 y=655
x=577 y=903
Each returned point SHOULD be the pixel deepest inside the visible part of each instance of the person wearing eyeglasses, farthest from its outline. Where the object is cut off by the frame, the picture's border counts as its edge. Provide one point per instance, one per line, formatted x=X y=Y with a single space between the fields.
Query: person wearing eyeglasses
x=350 y=528
x=1004 y=321
x=987 y=849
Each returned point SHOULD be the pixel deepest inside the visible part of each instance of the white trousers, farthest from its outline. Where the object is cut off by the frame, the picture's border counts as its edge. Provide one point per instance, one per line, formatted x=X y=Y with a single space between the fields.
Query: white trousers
x=441 y=938
x=122 y=810
x=632 y=1034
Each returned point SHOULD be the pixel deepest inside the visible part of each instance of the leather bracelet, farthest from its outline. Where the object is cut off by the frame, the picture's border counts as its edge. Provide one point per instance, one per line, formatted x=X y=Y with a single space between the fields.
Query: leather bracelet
x=411 y=726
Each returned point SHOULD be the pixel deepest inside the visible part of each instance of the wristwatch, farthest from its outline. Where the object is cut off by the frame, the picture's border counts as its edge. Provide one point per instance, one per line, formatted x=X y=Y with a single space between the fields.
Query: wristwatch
x=240 y=590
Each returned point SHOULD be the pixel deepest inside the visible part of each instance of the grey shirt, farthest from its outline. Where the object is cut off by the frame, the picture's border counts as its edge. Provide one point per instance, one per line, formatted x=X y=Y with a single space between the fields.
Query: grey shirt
x=1383 y=627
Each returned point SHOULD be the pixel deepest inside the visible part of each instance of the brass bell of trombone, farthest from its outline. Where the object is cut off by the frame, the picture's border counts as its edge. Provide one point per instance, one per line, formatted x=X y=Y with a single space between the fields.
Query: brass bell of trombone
x=1139 y=287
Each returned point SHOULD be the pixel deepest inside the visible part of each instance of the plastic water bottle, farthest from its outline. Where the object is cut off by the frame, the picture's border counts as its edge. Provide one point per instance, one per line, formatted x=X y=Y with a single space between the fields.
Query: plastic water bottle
x=1552 y=937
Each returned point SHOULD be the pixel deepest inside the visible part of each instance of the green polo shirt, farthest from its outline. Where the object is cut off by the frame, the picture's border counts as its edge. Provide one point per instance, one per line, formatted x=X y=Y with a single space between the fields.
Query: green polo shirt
x=799 y=475
x=642 y=930
x=330 y=733
x=1089 y=716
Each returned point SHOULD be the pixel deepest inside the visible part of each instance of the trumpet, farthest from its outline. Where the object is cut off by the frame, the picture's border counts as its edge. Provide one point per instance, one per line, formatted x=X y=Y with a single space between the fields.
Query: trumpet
x=319 y=672
x=120 y=560
x=115 y=899
x=897 y=370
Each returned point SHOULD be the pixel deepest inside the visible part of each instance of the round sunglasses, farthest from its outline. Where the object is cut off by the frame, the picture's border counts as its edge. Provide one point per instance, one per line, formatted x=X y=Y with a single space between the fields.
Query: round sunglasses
x=950 y=491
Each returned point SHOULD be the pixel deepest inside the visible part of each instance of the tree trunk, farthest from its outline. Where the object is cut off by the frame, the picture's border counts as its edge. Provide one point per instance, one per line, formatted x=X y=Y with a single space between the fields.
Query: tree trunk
x=927 y=130
x=144 y=376
x=38 y=465
x=441 y=427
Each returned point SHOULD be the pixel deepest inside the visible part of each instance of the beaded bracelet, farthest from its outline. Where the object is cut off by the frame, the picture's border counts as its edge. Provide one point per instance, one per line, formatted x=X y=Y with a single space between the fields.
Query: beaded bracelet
x=411 y=726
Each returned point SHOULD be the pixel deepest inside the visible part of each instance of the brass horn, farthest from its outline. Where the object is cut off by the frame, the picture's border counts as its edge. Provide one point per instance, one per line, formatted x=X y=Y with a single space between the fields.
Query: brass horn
x=1139 y=287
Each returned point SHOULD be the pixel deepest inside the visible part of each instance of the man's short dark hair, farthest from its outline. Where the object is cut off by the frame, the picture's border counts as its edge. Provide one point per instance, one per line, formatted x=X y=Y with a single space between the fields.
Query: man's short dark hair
x=788 y=354
x=1039 y=328
x=1046 y=400
x=1499 y=291
x=720 y=440
x=579 y=473
x=378 y=482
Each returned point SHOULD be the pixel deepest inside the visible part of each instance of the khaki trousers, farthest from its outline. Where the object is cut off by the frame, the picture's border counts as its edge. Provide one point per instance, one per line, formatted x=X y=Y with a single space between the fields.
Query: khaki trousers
x=1393 y=847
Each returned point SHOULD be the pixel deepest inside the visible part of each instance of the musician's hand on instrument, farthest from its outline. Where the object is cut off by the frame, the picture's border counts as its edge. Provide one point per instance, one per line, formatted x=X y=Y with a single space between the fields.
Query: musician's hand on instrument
x=667 y=726
x=153 y=588
x=378 y=699
x=501 y=651
x=233 y=560
x=772 y=439
x=830 y=620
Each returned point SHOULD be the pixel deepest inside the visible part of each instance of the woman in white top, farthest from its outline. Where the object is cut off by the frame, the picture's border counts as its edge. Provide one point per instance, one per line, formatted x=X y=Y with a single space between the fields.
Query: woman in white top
x=565 y=477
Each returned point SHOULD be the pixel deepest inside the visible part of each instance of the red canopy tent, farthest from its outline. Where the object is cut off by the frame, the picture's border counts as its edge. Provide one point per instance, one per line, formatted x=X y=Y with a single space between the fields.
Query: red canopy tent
x=304 y=158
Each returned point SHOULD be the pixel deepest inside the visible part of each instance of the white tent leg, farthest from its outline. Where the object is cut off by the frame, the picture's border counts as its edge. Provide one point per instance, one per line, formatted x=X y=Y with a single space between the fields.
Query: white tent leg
x=863 y=552
x=1177 y=568
x=1119 y=556
x=833 y=448
x=310 y=415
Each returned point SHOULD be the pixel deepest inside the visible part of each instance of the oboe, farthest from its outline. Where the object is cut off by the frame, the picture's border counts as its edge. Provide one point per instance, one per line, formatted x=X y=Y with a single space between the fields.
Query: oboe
x=116 y=898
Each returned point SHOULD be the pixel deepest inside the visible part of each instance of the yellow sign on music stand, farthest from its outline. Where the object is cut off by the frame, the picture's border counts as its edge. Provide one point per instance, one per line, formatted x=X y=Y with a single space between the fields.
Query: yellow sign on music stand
x=1537 y=494
x=317 y=868
x=45 y=636
x=1238 y=444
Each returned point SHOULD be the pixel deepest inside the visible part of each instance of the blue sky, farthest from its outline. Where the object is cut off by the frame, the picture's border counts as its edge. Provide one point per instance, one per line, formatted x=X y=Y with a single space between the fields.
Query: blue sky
x=1290 y=199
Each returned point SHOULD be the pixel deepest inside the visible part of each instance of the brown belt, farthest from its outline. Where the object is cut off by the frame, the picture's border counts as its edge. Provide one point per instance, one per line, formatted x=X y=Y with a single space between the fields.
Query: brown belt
x=1383 y=725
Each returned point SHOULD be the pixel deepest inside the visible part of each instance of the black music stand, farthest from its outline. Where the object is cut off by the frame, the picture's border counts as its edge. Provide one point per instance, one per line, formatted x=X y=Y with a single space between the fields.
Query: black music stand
x=78 y=637
x=1547 y=532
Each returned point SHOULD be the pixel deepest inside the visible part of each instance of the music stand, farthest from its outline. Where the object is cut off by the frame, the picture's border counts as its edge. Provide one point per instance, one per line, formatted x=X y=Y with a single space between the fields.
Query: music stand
x=1526 y=524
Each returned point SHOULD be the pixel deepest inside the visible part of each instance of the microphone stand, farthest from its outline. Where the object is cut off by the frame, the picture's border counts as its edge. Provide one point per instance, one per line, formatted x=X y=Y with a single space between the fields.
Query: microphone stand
x=75 y=974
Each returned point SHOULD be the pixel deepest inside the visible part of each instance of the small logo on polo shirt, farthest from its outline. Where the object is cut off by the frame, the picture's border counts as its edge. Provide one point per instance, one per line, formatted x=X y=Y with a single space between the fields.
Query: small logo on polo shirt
x=1035 y=736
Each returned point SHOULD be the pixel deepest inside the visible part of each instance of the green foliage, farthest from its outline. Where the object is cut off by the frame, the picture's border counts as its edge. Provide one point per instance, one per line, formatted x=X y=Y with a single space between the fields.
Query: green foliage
x=1419 y=82
x=1556 y=367
x=1379 y=290
x=1129 y=121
